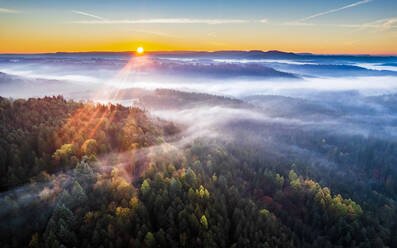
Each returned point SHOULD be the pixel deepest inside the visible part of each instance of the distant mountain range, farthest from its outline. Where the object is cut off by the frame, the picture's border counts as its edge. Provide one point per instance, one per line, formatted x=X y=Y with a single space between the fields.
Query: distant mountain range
x=232 y=54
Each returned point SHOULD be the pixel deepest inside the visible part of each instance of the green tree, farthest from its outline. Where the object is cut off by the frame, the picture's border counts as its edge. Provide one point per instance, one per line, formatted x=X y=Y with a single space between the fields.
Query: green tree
x=34 y=242
x=78 y=194
x=191 y=177
x=150 y=240
x=145 y=187
x=65 y=156
x=204 y=222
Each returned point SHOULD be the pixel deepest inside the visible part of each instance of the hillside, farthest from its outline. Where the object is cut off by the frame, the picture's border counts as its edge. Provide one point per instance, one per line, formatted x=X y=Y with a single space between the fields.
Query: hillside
x=112 y=176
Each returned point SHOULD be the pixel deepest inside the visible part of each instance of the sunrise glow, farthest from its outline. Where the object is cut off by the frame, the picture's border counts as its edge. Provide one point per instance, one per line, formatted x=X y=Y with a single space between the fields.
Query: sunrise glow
x=326 y=27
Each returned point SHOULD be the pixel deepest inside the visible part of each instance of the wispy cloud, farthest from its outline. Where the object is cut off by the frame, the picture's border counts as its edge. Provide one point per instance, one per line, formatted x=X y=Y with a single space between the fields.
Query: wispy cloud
x=88 y=14
x=9 y=11
x=389 y=23
x=335 y=10
x=153 y=33
x=297 y=23
x=164 y=21
x=101 y=20
x=381 y=24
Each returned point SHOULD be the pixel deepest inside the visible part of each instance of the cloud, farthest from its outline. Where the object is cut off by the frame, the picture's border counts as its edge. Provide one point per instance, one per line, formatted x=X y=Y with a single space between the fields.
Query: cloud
x=101 y=20
x=382 y=24
x=153 y=33
x=335 y=10
x=9 y=11
x=298 y=23
x=88 y=14
x=164 y=21
x=389 y=23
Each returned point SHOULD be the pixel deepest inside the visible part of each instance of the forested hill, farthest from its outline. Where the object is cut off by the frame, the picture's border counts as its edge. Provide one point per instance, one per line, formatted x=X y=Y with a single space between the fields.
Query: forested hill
x=52 y=134
x=163 y=99
x=91 y=175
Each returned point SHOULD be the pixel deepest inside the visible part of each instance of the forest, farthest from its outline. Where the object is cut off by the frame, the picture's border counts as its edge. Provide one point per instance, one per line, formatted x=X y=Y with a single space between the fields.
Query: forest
x=85 y=174
x=198 y=124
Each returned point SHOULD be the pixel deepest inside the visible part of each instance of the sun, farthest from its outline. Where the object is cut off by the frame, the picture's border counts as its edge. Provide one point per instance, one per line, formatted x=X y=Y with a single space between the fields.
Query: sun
x=140 y=50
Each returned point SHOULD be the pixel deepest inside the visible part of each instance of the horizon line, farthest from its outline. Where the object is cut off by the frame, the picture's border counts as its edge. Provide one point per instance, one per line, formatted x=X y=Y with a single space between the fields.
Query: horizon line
x=197 y=51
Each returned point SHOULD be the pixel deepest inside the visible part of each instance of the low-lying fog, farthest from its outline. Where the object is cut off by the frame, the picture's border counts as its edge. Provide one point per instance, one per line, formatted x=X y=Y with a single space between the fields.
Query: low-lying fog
x=277 y=96
x=73 y=75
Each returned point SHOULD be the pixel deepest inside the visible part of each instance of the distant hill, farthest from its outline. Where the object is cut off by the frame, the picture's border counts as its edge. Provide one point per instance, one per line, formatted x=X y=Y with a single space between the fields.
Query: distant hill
x=331 y=70
x=253 y=54
x=218 y=70
x=23 y=87
x=173 y=99
x=292 y=107
x=231 y=54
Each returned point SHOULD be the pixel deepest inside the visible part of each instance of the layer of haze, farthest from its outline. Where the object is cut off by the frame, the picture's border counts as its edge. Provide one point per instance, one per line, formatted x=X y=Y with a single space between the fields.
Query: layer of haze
x=87 y=76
